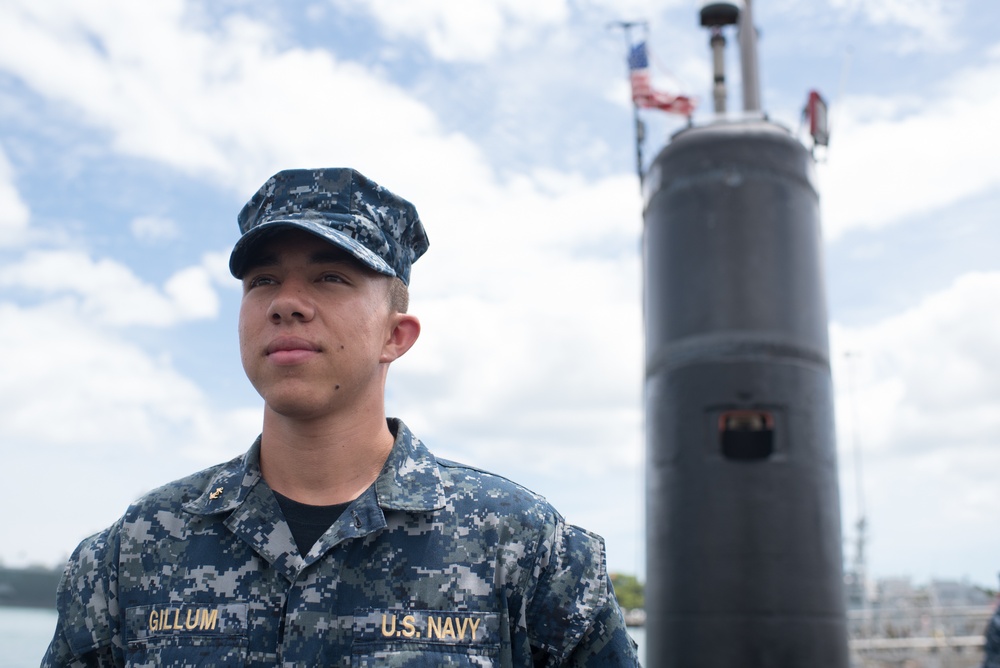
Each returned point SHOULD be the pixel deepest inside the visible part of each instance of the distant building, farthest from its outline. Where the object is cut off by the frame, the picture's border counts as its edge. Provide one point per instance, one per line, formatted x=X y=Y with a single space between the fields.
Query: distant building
x=893 y=622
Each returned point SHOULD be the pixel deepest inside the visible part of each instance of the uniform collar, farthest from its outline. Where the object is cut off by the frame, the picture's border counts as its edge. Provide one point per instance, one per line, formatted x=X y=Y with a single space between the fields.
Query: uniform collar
x=410 y=479
x=230 y=485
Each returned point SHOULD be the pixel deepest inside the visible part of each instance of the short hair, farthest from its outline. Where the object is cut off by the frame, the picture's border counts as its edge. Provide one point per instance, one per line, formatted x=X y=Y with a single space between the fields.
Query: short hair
x=399 y=295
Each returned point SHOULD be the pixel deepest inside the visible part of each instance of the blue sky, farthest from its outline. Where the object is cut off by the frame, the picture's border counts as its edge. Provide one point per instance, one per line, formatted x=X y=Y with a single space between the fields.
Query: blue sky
x=131 y=134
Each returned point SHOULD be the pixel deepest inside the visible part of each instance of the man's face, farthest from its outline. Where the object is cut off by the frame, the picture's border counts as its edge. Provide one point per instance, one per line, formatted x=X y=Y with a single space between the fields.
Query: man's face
x=316 y=332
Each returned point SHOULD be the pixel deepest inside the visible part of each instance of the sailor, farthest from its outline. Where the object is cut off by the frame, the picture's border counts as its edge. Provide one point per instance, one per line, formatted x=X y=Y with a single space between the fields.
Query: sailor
x=338 y=539
x=991 y=657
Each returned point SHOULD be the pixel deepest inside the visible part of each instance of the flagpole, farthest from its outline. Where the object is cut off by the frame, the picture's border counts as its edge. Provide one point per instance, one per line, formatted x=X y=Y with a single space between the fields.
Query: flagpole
x=640 y=132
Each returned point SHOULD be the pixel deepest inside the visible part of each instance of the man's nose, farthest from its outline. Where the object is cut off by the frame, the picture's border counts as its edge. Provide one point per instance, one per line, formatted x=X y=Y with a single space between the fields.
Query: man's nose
x=291 y=303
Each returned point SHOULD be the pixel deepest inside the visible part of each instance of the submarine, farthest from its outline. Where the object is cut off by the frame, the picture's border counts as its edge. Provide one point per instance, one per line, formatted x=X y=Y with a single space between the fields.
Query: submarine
x=743 y=530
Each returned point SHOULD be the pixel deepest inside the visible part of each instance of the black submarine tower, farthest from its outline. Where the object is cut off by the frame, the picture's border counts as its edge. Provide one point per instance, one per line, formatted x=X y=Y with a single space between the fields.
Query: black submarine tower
x=744 y=557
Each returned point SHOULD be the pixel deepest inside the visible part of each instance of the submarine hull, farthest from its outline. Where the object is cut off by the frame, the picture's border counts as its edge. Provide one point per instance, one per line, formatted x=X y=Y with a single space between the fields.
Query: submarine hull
x=744 y=564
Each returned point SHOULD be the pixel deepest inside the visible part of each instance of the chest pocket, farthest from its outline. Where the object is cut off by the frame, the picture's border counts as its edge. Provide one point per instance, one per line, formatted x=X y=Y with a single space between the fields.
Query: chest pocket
x=186 y=635
x=424 y=638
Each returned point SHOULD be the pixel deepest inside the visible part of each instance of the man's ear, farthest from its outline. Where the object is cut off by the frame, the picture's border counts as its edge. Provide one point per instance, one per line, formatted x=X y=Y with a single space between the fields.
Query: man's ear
x=402 y=336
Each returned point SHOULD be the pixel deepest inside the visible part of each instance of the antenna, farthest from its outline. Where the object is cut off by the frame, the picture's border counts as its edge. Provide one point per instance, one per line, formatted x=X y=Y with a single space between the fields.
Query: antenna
x=860 y=566
x=748 y=59
x=714 y=16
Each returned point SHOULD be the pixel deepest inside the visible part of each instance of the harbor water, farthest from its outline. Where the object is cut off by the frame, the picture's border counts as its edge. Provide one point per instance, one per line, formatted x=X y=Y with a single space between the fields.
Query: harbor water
x=24 y=635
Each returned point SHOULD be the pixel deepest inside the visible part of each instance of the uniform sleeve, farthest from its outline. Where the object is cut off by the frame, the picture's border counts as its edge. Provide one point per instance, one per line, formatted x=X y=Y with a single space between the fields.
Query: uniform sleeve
x=573 y=617
x=607 y=642
x=87 y=632
x=992 y=658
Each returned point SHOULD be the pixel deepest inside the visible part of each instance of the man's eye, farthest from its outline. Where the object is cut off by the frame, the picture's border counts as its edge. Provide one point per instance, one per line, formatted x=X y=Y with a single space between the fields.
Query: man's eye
x=258 y=281
x=332 y=278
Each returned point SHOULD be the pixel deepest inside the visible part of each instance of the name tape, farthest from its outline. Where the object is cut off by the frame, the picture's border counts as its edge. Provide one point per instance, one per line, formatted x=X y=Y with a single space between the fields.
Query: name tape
x=144 y=622
x=440 y=626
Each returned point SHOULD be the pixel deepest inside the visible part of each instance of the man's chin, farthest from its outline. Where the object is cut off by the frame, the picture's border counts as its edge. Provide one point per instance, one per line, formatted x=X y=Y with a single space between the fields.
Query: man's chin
x=298 y=405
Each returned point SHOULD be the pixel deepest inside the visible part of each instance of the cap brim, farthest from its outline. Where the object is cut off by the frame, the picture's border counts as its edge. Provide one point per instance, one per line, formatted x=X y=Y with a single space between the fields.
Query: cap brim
x=245 y=248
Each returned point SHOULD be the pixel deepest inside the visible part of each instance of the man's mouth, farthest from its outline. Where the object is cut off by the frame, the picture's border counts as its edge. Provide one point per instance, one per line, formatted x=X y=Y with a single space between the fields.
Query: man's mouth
x=290 y=350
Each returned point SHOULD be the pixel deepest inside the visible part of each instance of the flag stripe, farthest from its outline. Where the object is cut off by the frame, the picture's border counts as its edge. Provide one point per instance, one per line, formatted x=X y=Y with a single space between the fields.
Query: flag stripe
x=643 y=93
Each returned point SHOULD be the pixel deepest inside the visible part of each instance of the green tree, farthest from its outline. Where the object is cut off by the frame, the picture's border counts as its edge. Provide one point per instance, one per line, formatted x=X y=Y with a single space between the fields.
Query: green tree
x=629 y=591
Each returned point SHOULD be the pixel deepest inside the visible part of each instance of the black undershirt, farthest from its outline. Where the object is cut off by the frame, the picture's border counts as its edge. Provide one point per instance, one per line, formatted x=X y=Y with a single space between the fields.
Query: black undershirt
x=307 y=522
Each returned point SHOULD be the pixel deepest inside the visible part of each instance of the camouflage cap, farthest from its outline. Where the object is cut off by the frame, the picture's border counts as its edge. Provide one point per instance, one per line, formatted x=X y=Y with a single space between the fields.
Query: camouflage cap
x=340 y=205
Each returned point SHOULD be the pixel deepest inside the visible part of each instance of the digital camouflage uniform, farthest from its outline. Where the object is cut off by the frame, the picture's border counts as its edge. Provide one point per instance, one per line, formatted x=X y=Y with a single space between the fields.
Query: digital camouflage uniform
x=992 y=659
x=436 y=564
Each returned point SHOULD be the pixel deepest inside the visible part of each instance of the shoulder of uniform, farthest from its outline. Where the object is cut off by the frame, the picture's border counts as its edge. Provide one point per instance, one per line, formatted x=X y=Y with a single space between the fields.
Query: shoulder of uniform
x=91 y=556
x=491 y=488
x=460 y=471
x=183 y=490
x=87 y=596
x=572 y=593
x=568 y=586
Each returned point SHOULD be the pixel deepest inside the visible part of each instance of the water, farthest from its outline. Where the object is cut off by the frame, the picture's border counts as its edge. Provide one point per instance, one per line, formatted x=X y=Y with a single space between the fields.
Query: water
x=25 y=634
x=638 y=634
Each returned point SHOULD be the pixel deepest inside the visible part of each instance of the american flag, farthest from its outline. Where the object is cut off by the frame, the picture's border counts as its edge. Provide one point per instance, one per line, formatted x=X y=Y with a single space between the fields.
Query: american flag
x=643 y=94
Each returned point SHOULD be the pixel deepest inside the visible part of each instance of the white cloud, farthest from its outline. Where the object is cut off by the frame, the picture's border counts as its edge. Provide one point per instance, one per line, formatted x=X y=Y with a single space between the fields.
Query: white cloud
x=637 y=9
x=455 y=30
x=930 y=23
x=96 y=421
x=191 y=294
x=109 y=292
x=217 y=266
x=206 y=103
x=890 y=159
x=941 y=358
x=153 y=229
x=926 y=387
x=14 y=213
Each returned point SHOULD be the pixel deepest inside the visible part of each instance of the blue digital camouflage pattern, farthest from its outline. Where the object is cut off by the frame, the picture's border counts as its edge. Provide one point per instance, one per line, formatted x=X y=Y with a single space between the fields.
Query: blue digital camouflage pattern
x=340 y=205
x=992 y=659
x=436 y=564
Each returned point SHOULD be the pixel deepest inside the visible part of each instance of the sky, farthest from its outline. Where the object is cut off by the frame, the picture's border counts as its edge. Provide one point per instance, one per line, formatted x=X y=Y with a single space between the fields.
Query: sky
x=132 y=133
